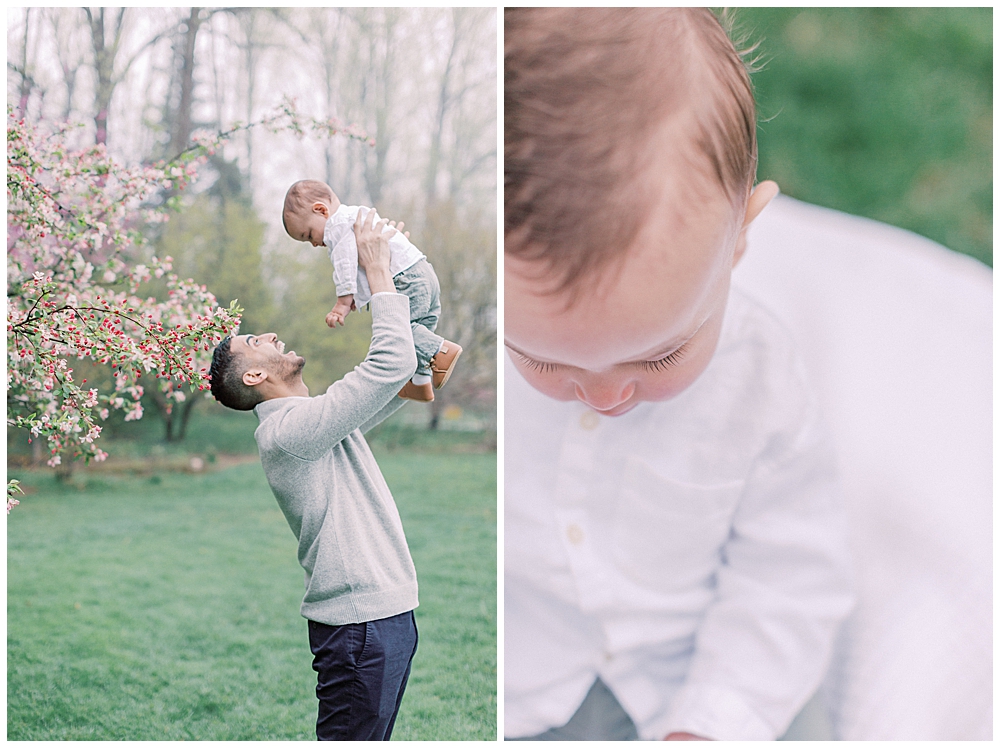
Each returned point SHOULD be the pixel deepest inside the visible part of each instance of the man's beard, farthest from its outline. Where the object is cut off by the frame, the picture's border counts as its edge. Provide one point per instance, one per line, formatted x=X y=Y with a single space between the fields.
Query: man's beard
x=291 y=370
x=297 y=367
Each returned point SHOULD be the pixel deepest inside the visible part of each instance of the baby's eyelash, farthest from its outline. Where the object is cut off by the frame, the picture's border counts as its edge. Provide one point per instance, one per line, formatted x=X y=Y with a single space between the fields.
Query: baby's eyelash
x=659 y=365
x=541 y=366
x=666 y=362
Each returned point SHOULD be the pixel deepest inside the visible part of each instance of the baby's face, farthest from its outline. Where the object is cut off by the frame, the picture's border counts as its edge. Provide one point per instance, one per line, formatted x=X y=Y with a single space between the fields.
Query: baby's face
x=643 y=334
x=308 y=226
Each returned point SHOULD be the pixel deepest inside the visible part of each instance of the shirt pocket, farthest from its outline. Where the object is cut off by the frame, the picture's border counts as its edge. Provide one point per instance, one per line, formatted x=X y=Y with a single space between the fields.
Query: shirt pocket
x=668 y=534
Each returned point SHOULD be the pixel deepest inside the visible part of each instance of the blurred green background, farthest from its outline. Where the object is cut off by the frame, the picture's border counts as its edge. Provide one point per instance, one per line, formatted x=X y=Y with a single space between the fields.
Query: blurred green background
x=881 y=112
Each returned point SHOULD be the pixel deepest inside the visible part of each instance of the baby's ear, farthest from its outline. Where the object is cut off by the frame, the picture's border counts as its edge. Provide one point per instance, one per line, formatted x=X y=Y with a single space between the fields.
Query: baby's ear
x=762 y=194
x=321 y=208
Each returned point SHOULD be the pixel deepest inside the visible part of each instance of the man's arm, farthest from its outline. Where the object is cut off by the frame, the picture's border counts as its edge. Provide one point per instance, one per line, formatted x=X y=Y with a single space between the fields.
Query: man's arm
x=391 y=407
x=373 y=250
x=311 y=427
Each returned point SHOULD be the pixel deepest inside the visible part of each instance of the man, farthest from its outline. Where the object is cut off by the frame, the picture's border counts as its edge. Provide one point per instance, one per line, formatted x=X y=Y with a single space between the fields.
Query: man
x=361 y=586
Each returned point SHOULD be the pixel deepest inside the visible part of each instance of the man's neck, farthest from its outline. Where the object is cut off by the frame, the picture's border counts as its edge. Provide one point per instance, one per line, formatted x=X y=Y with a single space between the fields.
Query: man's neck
x=282 y=389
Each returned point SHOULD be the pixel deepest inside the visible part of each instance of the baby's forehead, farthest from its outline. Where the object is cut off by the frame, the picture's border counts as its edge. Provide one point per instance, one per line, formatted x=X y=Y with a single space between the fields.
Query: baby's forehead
x=605 y=106
x=683 y=234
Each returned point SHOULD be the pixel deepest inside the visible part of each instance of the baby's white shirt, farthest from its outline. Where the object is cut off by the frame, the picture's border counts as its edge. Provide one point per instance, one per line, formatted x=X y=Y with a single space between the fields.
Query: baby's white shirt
x=338 y=236
x=692 y=553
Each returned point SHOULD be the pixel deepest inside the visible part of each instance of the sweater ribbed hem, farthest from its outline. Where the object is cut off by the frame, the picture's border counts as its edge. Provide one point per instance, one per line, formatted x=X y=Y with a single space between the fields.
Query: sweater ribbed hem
x=355 y=608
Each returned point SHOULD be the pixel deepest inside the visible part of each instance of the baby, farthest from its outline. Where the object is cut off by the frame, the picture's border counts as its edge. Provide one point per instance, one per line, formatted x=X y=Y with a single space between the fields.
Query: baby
x=313 y=213
x=675 y=554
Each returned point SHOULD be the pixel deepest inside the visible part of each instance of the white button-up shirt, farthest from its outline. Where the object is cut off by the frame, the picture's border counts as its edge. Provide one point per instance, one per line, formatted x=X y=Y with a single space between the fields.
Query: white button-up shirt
x=690 y=553
x=338 y=236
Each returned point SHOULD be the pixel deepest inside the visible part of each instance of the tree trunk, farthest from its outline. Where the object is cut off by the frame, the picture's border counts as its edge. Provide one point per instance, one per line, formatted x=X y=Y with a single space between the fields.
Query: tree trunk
x=64 y=471
x=104 y=65
x=435 y=421
x=168 y=422
x=181 y=130
x=185 y=416
x=430 y=184
x=69 y=77
x=383 y=94
x=26 y=80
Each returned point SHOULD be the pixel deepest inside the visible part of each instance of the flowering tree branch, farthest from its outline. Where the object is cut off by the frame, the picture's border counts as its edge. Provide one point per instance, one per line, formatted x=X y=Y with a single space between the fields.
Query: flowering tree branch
x=75 y=224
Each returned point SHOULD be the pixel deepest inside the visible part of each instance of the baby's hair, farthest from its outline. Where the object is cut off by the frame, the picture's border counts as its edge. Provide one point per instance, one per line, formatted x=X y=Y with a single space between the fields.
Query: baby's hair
x=585 y=90
x=301 y=196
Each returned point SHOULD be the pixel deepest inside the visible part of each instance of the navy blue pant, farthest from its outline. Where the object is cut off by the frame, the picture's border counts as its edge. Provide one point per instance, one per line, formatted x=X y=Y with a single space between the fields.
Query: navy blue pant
x=362 y=669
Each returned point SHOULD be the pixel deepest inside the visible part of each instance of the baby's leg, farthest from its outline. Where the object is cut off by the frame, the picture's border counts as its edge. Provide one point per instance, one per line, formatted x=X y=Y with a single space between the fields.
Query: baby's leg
x=600 y=717
x=420 y=284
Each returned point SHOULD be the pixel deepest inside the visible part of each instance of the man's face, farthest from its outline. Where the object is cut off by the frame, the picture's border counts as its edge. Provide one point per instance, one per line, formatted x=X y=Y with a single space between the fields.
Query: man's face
x=643 y=334
x=267 y=353
x=307 y=226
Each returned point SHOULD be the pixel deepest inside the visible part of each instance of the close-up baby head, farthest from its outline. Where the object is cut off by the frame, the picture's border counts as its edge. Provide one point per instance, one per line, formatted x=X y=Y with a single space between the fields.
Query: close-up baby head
x=629 y=159
x=308 y=204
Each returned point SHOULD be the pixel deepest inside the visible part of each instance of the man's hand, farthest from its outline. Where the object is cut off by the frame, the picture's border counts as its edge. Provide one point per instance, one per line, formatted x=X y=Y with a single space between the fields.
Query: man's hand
x=373 y=251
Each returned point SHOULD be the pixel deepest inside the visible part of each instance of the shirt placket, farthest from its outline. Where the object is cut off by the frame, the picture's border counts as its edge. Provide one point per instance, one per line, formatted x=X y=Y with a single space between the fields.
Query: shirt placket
x=578 y=476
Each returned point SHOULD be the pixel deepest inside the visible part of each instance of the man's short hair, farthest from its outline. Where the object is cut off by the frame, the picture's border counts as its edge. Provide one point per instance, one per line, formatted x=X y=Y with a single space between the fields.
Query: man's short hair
x=585 y=91
x=302 y=195
x=227 y=379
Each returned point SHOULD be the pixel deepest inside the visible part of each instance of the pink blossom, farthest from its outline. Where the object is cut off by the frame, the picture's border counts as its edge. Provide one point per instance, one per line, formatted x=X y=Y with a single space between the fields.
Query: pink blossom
x=75 y=221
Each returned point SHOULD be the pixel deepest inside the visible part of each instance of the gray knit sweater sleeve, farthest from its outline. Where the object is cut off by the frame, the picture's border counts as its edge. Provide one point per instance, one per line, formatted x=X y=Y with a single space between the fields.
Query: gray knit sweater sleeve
x=351 y=542
x=313 y=426
x=395 y=404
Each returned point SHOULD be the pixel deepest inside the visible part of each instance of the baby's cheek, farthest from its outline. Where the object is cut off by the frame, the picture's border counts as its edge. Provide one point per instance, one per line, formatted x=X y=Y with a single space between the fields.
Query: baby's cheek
x=553 y=385
x=657 y=386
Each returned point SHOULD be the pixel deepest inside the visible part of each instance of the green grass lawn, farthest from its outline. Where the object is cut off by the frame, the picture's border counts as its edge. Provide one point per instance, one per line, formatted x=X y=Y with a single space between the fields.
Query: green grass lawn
x=166 y=607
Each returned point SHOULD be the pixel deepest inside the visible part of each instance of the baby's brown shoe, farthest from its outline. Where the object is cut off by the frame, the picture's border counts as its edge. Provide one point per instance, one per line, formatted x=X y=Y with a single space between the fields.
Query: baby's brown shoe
x=421 y=393
x=443 y=362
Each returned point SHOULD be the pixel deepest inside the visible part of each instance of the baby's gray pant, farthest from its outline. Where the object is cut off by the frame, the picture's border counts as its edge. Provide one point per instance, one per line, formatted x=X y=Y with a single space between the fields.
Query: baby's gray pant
x=601 y=717
x=420 y=284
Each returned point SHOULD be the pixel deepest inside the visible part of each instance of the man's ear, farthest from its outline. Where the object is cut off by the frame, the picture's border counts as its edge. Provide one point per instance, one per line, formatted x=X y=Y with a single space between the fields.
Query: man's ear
x=321 y=208
x=253 y=377
x=762 y=194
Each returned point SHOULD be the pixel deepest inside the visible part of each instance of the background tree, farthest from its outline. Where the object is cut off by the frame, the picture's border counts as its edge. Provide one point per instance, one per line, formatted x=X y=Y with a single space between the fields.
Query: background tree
x=73 y=227
x=217 y=236
x=421 y=81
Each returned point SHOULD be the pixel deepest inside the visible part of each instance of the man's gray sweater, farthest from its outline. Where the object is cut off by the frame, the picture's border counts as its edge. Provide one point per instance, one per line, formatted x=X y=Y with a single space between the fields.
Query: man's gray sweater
x=326 y=481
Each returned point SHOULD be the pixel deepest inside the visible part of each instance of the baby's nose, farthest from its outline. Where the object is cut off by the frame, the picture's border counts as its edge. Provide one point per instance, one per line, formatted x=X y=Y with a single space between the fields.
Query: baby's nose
x=604 y=395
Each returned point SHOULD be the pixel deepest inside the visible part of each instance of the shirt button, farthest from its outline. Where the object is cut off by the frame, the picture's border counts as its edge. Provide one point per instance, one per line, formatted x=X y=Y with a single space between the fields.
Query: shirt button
x=575 y=534
x=608 y=657
x=589 y=420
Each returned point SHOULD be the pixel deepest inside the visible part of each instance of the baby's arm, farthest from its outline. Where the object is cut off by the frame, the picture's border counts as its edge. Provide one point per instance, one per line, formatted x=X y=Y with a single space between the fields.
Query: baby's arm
x=782 y=591
x=340 y=310
x=344 y=256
